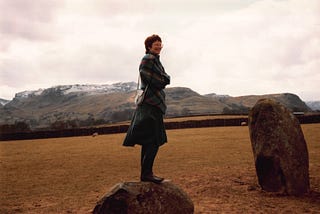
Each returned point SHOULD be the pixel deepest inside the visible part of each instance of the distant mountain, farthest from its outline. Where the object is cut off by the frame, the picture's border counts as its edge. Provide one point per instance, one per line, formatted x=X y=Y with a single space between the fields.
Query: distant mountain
x=314 y=105
x=86 y=105
x=81 y=104
x=80 y=89
x=214 y=95
x=183 y=102
x=289 y=100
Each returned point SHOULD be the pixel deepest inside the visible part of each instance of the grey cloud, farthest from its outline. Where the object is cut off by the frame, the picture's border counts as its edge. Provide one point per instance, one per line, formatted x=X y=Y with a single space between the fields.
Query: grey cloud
x=224 y=44
x=91 y=63
x=111 y=8
x=27 y=19
x=14 y=73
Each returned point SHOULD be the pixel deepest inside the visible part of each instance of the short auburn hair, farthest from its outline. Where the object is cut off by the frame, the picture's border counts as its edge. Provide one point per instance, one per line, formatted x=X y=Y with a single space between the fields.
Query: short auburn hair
x=150 y=40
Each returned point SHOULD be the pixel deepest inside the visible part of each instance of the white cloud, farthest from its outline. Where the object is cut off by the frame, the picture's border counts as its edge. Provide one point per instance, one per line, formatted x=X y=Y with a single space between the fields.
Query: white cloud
x=254 y=50
x=231 y=47
x=27 y=19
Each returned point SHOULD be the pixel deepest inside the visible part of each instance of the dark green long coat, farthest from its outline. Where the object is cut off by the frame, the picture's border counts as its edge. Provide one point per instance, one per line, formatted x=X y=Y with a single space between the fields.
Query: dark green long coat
x=147 y=122
x=146 y=127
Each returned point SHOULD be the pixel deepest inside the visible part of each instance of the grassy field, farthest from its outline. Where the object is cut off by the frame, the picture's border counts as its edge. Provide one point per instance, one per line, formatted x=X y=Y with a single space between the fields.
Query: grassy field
x=213 y=165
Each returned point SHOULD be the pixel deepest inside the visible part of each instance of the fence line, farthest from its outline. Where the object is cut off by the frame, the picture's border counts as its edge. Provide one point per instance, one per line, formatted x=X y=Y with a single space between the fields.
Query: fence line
x=304 y=119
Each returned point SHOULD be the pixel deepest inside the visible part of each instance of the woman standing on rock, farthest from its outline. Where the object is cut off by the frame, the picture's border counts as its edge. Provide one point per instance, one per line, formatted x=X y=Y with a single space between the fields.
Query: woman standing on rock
x=147 y=127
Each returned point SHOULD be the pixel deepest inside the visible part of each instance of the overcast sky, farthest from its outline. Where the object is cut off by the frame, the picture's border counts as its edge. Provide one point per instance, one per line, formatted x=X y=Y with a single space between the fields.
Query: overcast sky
x=234 y=47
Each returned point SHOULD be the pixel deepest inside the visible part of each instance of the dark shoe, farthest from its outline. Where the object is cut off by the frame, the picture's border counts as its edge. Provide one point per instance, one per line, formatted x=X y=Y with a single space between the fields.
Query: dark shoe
x=152 y=178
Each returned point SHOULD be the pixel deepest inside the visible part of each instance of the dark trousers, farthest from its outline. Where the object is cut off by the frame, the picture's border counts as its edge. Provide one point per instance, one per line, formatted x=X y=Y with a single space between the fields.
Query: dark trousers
x=148 y=154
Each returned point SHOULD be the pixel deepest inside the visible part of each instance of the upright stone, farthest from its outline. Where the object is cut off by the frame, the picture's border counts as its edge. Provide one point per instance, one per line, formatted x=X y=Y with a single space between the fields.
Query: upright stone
x=143 y=198
x=279 y=149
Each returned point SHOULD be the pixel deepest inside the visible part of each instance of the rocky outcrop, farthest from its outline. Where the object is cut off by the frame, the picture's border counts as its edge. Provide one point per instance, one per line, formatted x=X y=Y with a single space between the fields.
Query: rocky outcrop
x=279 y=149
x=145 y=197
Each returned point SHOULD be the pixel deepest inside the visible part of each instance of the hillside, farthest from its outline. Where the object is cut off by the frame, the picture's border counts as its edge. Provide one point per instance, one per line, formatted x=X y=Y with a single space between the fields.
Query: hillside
x=291 y=101
x=314 y=105
x=85 y=105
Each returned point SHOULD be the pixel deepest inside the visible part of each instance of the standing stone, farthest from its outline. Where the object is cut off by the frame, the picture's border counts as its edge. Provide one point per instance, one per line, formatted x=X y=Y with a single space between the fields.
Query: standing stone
x=279 y=149
x=145 y=197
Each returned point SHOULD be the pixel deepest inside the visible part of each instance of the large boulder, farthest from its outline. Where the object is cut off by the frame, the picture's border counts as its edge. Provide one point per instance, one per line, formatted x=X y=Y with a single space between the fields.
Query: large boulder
x=279 y=149
x=145 y=197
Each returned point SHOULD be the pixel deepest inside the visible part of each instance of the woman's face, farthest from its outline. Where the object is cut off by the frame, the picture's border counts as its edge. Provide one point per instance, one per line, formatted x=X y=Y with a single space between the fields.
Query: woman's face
x=156 y=47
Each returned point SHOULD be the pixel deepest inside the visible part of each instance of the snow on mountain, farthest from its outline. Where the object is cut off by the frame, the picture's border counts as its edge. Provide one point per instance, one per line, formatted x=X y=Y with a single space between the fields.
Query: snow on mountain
x=98 y=89
x=89 y=89
x=26 y=94
x=3 y=102
x=214 y=95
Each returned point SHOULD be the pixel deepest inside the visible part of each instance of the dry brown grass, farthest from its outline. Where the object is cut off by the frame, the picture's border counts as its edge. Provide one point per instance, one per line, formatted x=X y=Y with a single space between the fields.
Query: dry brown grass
x=213 y=165
x=208 y=117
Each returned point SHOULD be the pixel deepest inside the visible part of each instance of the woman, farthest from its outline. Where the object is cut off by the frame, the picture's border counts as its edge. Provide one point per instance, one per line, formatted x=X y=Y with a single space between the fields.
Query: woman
x=147 y=128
